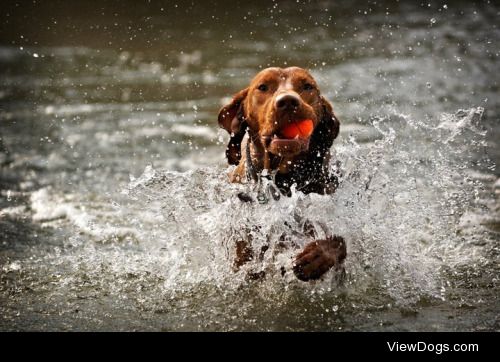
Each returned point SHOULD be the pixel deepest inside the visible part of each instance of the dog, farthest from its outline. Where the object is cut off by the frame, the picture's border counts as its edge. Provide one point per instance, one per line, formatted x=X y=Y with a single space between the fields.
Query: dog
x=257 y=119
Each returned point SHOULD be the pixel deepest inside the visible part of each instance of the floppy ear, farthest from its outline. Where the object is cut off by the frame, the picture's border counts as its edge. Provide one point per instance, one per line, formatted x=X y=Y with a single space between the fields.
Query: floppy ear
x=328 y=128
x=232 y=119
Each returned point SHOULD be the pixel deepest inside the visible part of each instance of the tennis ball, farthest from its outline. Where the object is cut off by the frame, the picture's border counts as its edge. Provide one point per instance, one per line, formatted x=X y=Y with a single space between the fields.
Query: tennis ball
x=303 y=129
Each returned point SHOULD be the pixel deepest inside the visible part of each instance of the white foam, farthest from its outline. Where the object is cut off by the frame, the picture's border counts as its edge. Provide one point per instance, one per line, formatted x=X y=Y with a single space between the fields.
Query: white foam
x=197 y=131
x=48 y=206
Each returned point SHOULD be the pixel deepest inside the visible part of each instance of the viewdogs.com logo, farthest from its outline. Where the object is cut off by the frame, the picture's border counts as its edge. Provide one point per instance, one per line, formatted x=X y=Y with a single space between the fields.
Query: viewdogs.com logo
x=437 y=348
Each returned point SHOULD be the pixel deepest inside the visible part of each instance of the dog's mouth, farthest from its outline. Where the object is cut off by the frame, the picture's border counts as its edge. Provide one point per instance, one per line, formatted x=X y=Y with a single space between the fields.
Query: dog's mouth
x=291 y=139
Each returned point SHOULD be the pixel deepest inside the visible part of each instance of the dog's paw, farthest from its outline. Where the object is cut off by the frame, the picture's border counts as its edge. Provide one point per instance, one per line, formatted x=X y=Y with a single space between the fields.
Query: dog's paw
x=318 y=257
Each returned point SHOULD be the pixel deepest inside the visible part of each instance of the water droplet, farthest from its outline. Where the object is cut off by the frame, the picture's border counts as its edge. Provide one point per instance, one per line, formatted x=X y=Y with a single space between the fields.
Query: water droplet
x=433 y=20
x=35 y=55
x=428 y=84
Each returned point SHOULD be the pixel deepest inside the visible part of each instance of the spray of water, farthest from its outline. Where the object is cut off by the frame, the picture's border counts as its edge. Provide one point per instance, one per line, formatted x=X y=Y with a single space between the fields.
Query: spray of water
x=166 y=243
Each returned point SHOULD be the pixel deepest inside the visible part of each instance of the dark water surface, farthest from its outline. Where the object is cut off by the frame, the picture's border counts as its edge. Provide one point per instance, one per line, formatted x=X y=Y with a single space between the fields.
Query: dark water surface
x=115 y=211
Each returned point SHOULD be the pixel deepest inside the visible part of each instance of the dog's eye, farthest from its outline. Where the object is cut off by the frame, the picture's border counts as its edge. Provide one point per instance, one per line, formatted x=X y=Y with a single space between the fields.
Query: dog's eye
x=263 y=88
x=308 y=86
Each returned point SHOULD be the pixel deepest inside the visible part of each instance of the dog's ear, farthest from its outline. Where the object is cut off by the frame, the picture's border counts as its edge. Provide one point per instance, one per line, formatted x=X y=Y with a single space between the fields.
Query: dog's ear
x=232 y=119
x=228 y=115
x=328 y=128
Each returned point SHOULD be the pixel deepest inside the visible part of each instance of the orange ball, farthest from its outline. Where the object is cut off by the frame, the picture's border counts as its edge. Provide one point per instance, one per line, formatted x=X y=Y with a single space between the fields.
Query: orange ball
x=303 y=129
x=306 y=127
x=290 y=131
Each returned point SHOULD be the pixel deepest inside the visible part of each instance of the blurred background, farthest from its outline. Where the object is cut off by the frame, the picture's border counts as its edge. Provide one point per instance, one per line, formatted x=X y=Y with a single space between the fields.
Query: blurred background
x=137 y=67
x=91 y=92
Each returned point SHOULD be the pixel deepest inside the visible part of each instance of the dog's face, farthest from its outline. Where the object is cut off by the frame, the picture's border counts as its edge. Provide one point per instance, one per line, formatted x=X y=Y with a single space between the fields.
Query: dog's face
x=275 y=98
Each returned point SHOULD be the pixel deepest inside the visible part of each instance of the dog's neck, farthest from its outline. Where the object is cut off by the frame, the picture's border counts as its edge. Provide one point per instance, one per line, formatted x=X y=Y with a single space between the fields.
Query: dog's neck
x=259 y=159
x=308 y=172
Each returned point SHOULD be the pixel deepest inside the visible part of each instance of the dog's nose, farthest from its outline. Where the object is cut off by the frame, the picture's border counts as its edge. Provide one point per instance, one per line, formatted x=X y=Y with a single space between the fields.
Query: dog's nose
x=287 y=102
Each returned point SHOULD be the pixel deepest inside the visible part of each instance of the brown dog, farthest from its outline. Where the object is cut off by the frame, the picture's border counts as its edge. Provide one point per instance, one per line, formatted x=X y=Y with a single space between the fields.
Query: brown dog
x=275 y=98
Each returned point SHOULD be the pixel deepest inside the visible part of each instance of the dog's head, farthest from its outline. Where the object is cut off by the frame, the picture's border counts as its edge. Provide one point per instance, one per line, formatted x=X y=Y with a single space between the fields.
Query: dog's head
x=276 y=100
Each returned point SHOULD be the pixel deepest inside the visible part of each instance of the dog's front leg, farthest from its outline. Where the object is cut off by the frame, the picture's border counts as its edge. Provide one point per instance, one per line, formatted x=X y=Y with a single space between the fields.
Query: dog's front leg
x=244 y=251
x=244 y=254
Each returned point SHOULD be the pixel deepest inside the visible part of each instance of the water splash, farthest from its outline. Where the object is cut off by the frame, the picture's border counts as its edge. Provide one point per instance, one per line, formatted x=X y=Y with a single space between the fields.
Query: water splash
x=396 y=201
x=166 y=242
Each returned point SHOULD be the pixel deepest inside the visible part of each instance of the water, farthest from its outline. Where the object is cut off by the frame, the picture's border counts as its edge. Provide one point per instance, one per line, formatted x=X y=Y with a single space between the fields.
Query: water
x=115 y=209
